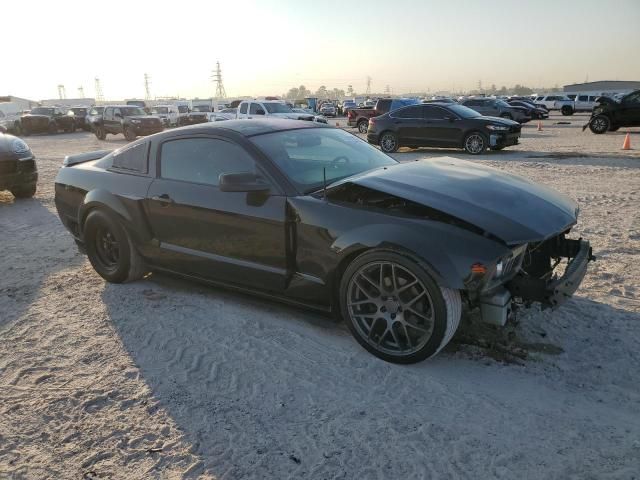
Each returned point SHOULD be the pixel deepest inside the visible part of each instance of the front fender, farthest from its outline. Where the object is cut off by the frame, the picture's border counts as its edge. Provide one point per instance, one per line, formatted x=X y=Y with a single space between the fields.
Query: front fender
x=446 y=251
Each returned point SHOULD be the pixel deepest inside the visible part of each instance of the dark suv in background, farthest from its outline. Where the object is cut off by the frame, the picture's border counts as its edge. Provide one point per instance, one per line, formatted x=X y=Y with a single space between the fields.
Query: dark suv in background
x=129 y=120
x=452 y=126
x=609 y=114
x=494 y=107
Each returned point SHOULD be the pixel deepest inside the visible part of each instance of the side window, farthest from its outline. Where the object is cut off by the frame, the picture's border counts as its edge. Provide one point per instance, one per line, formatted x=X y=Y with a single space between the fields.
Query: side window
x=472 y=103
x=583 y=98
x=116 y=112
x=202 y=160
x=436 y=113
x=108 y=114
x=133 y=158
x=256 y=109
x=632 y=98
x=243 y=108
x=408 y=112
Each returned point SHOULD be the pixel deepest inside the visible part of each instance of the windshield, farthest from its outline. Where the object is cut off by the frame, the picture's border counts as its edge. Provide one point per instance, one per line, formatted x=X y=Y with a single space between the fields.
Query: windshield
x=42 y=111
x=277 y=107
x=182 y=109
x=305 y=155
x=502 y=103
x=464 y=112
x=79 y=110
x=131 y=111
x=201 y=108
x=136 y=103
x=160 y=110
x=97 y=111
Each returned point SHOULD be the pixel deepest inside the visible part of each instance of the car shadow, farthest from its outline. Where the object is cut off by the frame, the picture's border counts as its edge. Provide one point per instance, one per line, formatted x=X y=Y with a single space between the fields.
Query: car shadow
x=265 y=390
x=34 y=245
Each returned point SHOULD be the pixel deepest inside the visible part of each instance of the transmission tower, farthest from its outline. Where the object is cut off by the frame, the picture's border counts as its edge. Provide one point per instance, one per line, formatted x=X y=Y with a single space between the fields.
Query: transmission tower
x=387 y=90
x=61 y=92
x=99 y=95
x=216 y=77
x=147 y=85
x=81 y=91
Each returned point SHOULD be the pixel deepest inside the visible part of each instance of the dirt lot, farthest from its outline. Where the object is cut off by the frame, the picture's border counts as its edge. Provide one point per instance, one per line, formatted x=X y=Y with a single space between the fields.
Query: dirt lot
x=169 y=379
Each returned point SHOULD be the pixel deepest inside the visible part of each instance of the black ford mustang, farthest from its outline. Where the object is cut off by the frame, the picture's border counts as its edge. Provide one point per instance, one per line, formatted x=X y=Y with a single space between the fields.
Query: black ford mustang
x=314 y=216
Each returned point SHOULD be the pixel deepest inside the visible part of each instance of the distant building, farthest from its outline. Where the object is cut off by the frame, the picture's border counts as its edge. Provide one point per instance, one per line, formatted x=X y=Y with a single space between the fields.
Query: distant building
x=68 y=102
x=11 y=105
x=603 y=87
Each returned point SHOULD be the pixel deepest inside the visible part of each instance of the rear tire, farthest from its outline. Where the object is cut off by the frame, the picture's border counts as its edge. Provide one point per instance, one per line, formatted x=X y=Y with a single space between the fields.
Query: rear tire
x=566 y=110
x=389 y=142
x=110 y=249
x=600 y=124
x=24 y=191
x=475 y=143
x=395 y=309
x=363 y=126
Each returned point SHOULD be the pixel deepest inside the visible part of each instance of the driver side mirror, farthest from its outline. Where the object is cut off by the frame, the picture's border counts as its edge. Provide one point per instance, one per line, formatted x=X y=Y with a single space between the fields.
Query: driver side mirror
x=242 y=182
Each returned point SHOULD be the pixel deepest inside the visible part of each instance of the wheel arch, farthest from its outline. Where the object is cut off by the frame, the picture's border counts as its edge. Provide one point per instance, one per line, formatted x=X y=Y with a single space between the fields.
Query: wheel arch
x=134 y=222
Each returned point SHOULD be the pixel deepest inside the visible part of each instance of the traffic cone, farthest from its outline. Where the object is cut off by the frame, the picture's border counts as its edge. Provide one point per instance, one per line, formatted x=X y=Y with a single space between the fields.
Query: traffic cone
x=626 y=145
x=539 y=126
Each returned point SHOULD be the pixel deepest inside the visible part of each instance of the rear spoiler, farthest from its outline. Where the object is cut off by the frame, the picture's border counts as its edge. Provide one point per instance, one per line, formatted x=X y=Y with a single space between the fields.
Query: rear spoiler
x=71 y=160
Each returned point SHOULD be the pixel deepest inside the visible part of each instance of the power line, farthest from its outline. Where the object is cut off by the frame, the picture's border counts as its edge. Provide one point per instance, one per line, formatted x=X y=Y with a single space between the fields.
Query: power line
x=216 y=77
x=147 y=86
x=368 y=92
x=99 y=95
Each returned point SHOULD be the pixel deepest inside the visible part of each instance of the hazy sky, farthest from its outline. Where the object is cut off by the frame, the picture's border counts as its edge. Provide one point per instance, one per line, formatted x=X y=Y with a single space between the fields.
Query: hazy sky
x=266 y=47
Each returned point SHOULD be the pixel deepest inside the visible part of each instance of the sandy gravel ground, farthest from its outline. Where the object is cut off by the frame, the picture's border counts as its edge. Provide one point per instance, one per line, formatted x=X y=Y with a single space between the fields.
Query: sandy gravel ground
x=166 y=379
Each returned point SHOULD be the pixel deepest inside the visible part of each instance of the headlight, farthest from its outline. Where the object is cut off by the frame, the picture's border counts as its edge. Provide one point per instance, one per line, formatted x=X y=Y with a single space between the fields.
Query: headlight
x=497 y=128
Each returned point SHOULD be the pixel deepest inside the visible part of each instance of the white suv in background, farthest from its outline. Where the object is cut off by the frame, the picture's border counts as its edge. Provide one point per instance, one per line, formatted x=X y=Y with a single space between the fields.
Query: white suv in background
x=556 y=102
x=167 y=113
x=585 y=103
x=268 y=109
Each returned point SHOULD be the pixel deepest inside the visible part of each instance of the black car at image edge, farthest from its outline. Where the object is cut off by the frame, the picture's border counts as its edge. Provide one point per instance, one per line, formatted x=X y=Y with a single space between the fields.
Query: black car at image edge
x=18 y=171
x=314 y=216
x=449 y=126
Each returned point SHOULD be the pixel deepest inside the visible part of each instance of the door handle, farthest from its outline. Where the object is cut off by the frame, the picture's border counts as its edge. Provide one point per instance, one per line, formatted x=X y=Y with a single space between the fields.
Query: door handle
x=164 y=199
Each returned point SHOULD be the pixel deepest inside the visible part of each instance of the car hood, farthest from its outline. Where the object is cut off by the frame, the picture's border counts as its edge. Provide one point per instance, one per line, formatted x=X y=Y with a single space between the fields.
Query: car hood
x=293 y=116
x=509 y=207
x=498 y=120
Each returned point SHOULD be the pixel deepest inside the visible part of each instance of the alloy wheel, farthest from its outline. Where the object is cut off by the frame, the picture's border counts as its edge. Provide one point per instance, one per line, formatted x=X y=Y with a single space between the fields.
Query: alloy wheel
x=474 y=143
x=599 y=124
x=390 y=308
x=388 y=142
x=363 y=127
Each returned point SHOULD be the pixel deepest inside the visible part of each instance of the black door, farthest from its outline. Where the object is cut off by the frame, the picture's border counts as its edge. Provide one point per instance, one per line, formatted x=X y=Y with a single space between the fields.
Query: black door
x=234 y=237
x=408 y=124
x=629 y=111
x=441 y=127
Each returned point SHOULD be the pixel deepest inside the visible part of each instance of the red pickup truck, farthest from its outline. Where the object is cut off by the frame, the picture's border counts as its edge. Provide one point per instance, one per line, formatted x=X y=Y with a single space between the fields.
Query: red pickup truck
x=359 y=117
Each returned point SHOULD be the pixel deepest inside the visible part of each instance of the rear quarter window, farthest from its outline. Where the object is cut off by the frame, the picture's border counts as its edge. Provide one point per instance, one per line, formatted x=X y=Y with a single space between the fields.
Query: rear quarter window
x=132 y=159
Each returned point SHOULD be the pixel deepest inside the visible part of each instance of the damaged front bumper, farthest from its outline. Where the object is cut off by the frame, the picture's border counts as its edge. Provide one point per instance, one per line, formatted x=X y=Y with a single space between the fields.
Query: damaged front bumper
x=534 y=282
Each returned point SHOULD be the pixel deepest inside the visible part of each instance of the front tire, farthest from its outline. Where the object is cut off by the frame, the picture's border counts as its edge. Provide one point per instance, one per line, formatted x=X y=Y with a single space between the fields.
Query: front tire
x=395 y=309
x=110 y=249
x=24 y=191
x=100 y=132
x=389 y=142
x=363 y=126
x=475 y=143
x=600 y=124
x=129 y=134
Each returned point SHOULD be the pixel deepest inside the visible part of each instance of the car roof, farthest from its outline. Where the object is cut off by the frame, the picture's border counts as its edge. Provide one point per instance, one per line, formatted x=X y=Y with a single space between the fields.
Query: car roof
x=122 y=106
x=249 y=128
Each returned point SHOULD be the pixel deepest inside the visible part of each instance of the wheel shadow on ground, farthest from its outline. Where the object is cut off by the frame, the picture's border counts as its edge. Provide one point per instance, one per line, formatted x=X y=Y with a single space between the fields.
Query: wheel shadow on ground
x=260 y=387
x=34 y=245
